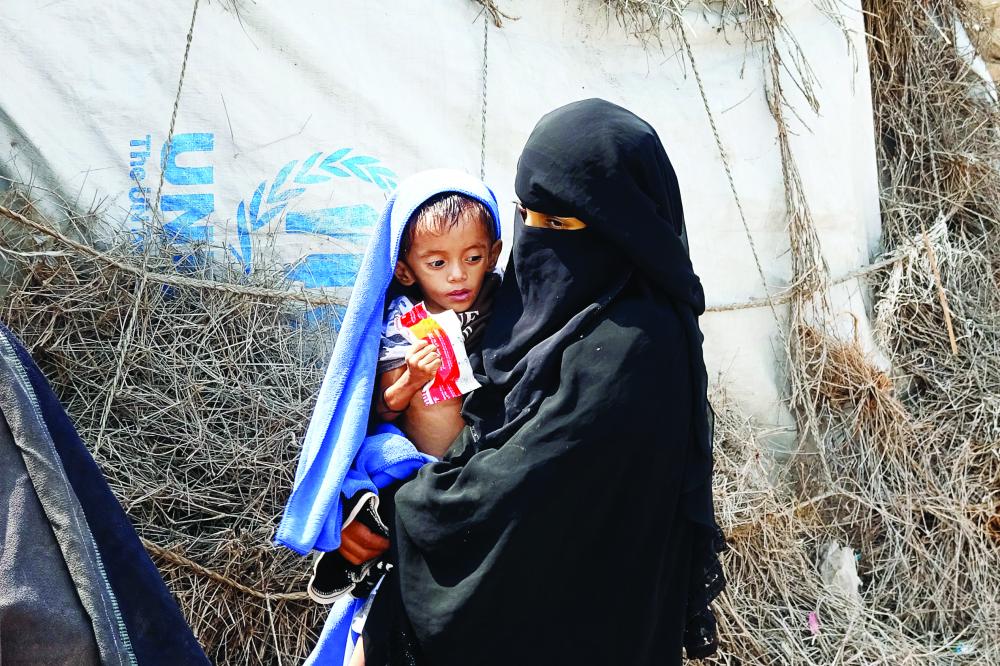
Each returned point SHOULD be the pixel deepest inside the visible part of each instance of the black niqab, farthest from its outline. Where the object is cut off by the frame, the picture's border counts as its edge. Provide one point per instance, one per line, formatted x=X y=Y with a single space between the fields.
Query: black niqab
x=604 y=165
x=572 y=522
x=571 y=276
x=601 y=163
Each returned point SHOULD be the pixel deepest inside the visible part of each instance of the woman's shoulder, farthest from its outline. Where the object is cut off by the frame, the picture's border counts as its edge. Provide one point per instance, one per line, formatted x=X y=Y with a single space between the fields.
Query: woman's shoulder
x=628 y=362
x=636 y=332
x=639 y=320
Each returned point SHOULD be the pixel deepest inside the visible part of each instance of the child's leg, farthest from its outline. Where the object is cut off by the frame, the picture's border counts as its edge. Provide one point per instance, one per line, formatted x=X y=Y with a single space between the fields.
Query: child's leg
x=358 y=658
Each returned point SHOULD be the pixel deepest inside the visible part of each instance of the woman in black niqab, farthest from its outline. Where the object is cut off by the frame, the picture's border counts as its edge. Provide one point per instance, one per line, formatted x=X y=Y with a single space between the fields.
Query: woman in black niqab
x=572 y=521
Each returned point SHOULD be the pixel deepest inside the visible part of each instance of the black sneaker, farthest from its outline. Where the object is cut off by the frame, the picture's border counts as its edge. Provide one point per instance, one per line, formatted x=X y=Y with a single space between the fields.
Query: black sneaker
x=365 y=578
x=333 y=576
x=363 y=508
x=369 y=578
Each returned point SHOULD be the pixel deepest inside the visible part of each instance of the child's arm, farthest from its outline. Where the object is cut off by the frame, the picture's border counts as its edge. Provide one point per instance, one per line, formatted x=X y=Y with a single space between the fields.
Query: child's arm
x=397 y=387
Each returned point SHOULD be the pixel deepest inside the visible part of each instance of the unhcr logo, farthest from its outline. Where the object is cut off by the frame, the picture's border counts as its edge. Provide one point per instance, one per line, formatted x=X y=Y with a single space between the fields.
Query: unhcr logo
x=187 y=204
x=348 y=225
x=188 y=211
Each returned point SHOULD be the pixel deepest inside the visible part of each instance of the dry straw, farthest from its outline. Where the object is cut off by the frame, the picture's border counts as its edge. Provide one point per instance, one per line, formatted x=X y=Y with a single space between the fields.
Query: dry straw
x=902 y=467
x=194 y=394
x=192 y=399
x=497 y=15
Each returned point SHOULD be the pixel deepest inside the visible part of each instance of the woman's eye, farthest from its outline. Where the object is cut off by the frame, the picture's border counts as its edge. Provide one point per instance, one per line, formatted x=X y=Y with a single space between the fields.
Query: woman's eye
x=437 y=263
x=555 y=224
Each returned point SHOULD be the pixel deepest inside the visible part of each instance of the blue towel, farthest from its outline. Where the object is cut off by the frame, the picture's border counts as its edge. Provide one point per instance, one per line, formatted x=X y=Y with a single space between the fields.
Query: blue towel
x=385 y=456
x=337 y=641
x=337 y=432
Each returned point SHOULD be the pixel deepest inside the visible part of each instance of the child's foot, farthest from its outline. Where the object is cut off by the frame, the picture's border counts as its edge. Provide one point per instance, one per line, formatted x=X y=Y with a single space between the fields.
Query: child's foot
x=363 y=508
x=369 y=578
x=331 y=578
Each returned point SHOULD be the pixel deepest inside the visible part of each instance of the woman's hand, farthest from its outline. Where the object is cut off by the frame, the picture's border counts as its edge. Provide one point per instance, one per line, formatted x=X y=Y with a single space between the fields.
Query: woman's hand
x=359 y=544
x=422 y=363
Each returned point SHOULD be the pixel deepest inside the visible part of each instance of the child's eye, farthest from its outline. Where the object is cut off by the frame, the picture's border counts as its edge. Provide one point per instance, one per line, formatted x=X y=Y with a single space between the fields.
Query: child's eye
x=474 y=259
x=437 y=263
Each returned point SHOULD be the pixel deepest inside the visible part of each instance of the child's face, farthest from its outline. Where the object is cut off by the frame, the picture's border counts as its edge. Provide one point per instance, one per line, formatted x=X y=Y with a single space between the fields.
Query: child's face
x=449 y=268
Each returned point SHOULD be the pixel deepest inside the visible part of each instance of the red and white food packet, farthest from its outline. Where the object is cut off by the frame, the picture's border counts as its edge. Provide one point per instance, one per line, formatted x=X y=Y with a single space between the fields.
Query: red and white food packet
x=444 y=331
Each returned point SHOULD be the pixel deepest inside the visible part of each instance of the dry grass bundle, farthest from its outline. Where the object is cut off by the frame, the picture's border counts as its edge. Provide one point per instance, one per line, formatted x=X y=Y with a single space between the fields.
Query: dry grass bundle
x=914 y=501
x=497 y=15
x=646 y=18
x=913 y=573
x=192 y=399
x=904 y=468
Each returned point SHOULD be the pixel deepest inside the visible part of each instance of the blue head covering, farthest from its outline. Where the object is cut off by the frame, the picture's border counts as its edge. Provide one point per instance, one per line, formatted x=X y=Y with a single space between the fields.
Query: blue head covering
x=337 y=432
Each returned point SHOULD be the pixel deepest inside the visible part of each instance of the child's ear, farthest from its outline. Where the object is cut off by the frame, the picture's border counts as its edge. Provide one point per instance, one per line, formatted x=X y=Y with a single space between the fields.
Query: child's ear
x=404 y=274
x=495 y=253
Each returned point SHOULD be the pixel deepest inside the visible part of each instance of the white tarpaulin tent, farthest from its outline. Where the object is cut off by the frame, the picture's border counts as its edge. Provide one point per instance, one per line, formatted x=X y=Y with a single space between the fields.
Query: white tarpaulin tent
x=296 y=119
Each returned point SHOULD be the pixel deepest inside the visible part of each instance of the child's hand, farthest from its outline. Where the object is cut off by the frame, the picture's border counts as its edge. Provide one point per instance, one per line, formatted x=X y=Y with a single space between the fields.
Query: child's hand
x=358 y=544
x=422 y=362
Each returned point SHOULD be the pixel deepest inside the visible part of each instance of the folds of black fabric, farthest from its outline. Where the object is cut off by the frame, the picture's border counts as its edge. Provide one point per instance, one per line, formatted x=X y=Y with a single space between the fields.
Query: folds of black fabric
x=156 y=631
x=565 y=545
x=572 y=522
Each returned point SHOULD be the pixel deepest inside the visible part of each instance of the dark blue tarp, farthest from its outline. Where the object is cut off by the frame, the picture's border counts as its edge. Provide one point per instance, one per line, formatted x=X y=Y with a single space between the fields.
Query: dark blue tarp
x=65 y=534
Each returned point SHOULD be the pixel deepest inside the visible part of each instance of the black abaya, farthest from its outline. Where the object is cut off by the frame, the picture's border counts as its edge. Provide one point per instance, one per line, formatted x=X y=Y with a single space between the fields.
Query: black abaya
x=572 y=522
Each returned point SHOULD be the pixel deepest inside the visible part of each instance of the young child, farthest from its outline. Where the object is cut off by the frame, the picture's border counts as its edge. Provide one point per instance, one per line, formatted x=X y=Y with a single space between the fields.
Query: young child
x=446 y=259
x=447 y=256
